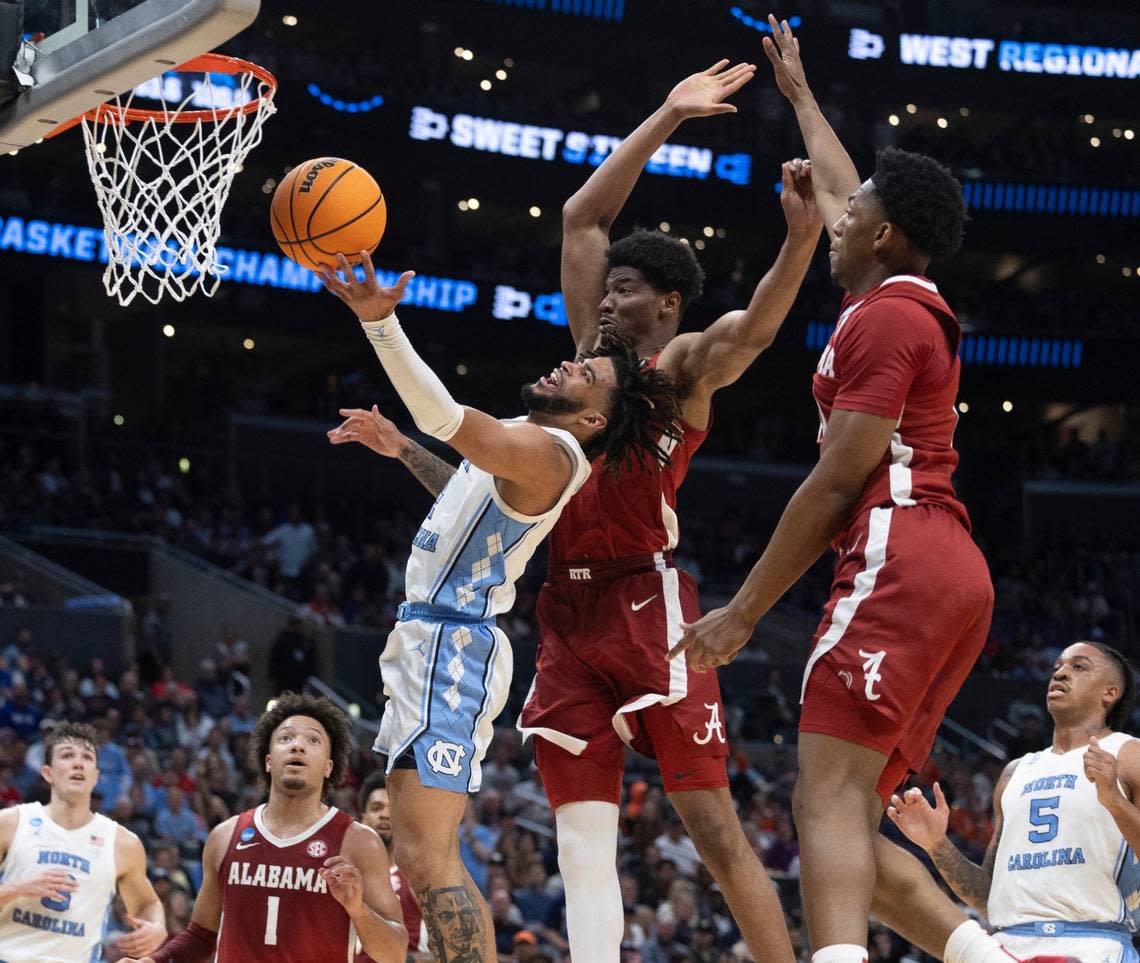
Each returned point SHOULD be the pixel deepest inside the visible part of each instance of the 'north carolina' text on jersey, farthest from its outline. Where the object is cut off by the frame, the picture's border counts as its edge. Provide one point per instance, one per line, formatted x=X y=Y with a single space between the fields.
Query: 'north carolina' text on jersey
x=1061 y=855
x=894 y=354
x=67 y=930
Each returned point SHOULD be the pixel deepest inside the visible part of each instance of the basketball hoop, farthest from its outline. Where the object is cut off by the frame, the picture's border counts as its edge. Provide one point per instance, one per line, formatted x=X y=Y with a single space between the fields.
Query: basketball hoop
x=163 y=176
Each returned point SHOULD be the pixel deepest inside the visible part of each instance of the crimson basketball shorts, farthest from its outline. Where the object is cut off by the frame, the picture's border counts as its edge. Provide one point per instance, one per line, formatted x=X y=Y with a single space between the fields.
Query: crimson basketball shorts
x=603 y=682
x=909 y=612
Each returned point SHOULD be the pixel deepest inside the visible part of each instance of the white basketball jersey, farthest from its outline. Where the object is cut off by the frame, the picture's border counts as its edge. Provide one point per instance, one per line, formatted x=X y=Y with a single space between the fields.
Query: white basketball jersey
x=69 y=930
x=1061 y=855
x=472 y=547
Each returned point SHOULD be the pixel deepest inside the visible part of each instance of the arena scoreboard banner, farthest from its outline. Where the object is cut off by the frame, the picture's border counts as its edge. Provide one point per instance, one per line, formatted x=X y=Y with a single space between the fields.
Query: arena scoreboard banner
x=1056 y=58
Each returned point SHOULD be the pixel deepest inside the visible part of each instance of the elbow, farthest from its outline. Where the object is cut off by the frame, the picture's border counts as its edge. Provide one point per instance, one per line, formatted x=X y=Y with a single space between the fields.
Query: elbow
x=579 y=215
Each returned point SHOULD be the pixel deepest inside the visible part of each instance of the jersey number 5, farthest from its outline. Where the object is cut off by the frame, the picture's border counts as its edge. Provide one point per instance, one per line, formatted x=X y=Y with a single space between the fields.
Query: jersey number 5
x=1046 y=823
x=274 y=903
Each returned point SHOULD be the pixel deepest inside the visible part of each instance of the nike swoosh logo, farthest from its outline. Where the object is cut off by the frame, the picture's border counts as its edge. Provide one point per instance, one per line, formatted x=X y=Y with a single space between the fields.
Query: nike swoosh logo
x=638 y=606
x=247 y=845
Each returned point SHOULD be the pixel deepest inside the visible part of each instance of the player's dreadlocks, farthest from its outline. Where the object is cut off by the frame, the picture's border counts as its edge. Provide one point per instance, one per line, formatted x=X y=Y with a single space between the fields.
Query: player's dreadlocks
x=332 y=720
x=1117 y=716
x=923 y=199
x=667 y=264
x=644 y=420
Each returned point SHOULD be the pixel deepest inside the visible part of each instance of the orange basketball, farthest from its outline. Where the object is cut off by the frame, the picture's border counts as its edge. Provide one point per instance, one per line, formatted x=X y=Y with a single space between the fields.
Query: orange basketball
x=325 y=207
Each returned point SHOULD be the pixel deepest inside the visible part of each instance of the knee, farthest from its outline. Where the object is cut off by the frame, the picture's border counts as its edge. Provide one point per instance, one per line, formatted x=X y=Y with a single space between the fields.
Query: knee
x=717 y=834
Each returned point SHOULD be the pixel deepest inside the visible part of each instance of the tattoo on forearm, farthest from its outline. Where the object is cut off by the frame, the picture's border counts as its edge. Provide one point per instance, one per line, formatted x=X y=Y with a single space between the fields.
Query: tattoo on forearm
x=968 y=880
x=454 y=920
x=430 y=470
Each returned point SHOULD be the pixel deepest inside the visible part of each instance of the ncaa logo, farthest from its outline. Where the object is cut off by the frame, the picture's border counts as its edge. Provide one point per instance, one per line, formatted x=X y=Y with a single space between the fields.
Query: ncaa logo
x=317 y=848
x=247 y=834
x=446 y=758
x=863 y=45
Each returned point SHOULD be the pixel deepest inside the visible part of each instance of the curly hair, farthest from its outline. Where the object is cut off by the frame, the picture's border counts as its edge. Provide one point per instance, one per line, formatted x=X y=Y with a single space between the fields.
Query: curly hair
x=645 y=417
x=1119 y=712
x=668 y=265
x=332 y=720
x=923 y=199
x=74 y=732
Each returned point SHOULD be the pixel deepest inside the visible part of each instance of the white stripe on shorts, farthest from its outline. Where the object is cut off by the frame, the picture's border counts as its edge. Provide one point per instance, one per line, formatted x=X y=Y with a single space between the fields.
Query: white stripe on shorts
x=678 y=670
x=875 y=554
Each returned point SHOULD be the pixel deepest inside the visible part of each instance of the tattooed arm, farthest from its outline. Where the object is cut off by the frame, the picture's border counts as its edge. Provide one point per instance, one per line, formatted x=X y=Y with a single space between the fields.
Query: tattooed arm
x=374 y=431
x=925 y=826
x=429 y=470
x=457 y=923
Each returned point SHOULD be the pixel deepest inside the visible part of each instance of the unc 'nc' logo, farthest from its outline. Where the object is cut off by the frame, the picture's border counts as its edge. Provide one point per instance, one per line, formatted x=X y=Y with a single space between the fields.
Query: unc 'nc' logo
x=446 y=758
x=1049 y=929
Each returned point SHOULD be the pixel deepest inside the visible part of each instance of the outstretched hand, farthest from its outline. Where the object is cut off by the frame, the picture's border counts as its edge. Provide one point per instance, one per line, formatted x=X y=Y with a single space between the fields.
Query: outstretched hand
x=703 y=94
x=923 y=824
x=371 y=429
x=783 y=50
x=370 y=301
x=798 y=198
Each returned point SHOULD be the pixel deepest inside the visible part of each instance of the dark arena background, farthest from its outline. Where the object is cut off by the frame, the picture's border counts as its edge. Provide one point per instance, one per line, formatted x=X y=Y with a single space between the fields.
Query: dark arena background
x=180 y=542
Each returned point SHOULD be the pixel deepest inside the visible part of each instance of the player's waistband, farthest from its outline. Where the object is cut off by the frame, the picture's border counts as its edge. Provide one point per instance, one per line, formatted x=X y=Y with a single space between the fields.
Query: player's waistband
x=422 y=612
x=609 y=568
x=1047 y=928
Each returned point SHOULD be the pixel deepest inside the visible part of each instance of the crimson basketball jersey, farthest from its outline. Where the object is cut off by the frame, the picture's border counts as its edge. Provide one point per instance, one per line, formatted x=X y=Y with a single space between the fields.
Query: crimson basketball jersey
x=275 y=905
x=894 y=353
x=634 y=514
x=413 y=918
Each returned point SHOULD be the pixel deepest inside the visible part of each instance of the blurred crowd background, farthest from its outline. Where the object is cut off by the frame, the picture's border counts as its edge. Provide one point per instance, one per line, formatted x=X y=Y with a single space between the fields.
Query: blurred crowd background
x=179 y=543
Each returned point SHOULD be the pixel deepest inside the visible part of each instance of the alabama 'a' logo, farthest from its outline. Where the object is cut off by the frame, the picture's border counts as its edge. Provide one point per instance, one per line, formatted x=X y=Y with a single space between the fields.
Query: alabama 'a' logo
x=713 y=727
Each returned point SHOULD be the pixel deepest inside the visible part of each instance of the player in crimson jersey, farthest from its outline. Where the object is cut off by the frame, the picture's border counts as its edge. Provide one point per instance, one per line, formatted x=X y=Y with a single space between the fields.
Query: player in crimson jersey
x=614 y=602
x=911 y=600
x=376 y=814
x=294 y=880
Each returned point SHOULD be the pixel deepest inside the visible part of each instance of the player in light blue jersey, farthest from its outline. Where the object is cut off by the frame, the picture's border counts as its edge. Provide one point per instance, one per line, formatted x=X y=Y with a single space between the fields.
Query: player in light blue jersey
x=447 y=666
x=1060 y=876
x=62 y=864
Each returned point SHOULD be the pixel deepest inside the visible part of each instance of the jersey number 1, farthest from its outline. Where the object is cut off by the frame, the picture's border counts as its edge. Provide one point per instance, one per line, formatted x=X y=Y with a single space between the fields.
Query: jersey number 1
x=274 y=902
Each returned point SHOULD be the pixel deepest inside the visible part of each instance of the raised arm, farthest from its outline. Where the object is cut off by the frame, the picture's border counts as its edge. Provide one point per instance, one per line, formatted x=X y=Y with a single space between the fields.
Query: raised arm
x=374 y=431
x=721 y=353
x=590 y=213
x=925 y=826
x=520 y=453
x=833 y=172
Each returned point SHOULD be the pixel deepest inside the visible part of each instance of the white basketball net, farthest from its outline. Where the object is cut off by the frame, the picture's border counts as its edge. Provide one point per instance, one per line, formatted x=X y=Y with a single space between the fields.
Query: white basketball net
x=161 y=186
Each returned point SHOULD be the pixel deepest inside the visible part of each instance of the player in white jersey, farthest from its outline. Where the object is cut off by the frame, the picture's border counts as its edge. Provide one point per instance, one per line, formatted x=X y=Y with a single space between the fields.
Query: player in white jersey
x=62 y=864
x=1060 y=873
x=447 y=666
